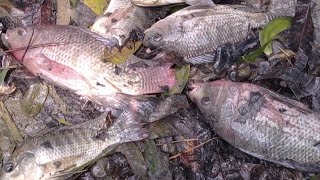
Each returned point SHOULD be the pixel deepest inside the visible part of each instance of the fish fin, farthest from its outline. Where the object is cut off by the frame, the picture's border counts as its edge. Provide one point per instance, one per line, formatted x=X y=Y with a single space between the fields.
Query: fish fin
x=157 y=79
x=126 y=128
x=199 y=2
x=301 y=107
x=206 y=58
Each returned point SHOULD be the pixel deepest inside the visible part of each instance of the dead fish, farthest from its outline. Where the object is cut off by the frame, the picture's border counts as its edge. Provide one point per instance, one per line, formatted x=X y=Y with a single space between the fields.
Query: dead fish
x=63 y=152
x=196 y=31
x=71 y=57
x=121 y=19
x=149 y=3
x=261 y=123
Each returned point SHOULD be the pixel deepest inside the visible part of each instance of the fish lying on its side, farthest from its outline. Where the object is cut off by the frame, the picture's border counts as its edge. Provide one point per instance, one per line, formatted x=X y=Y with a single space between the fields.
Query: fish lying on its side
x=121 y=19
x=60 y=153
x=149 y=3
x=72 y=57
x=261 y=123
x=196 y=31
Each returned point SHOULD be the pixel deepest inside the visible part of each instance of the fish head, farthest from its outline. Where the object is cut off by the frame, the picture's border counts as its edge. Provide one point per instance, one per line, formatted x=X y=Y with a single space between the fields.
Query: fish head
x=214 y=99
x=204 y=95
x=17 y=38
x=21 y=166
x=158 y=35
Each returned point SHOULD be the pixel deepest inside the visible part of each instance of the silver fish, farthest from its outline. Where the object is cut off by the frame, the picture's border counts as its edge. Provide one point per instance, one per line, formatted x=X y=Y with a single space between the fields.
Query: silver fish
x=261 y=123
x=120 y=19
x=197 y=31
x=60 y=153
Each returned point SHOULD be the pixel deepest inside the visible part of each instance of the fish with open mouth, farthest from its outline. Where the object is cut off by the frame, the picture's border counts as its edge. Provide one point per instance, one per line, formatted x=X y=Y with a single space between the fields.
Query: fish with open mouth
x=60 y=153
x=71 y=57
x=195 y=32
x=261 y=123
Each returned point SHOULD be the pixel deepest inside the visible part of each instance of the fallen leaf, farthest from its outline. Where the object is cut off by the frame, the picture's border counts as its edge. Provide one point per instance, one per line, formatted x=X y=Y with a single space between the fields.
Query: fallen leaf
x=271 y=30
x=97 y=6
x=182 y=76
x=300 y=36
x=33 y=100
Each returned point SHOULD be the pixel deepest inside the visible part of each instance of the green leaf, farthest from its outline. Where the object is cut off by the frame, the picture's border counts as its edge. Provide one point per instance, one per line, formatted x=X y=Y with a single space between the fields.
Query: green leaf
x=251 y=57
x=117 y=56
x=271 y=30
x=96 y=5
x=3 y=75
x=182 y=76
x=4 y=72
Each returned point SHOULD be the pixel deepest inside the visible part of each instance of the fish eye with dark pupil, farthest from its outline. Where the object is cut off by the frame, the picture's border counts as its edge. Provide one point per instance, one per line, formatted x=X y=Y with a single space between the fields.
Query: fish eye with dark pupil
x=21 y=32
x=205 y=101
x=157 y=37
x=8 y=167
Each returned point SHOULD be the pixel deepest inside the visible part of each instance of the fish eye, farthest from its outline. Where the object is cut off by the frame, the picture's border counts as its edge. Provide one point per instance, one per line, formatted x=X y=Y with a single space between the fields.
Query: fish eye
x=205 y=101
x=157 y=37
x=8 y=167
x=22 y=32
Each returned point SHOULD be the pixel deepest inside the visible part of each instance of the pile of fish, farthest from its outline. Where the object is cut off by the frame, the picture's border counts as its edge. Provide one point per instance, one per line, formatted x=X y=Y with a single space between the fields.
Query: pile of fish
x=100 y=64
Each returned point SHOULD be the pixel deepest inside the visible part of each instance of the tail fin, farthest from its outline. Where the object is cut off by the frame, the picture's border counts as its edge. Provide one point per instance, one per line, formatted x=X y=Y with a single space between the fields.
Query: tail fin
x=157 y=79
x=127 y=128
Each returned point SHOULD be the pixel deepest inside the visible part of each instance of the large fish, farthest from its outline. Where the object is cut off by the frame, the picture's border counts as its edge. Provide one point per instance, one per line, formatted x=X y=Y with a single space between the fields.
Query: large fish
x=72 y=57
x=63 y=152
x=261 y=123
x=149 y=3
x=197 y=31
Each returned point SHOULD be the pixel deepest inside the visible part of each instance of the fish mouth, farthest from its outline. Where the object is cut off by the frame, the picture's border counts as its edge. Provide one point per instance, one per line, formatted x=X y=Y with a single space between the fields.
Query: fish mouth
x=192 y=89
x=4 y=39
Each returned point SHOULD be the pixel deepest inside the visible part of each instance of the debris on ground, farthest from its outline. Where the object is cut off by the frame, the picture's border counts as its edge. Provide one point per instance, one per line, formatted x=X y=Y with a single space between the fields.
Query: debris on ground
x=130 y=89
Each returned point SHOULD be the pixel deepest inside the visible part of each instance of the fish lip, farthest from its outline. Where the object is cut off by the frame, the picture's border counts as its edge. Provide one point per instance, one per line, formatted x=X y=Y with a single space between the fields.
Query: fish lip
x=4 y=39
x=193 y=88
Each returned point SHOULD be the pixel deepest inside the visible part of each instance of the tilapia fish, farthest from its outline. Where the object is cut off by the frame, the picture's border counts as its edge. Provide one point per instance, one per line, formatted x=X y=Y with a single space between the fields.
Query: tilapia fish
x=148 y=3
x=121 y=19
x=261 y=123
x=196 y=31
x=60 y=153
x=72 y=57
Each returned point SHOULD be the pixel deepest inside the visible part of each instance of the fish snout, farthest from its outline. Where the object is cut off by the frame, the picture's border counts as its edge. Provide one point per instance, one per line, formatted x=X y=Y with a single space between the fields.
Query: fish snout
x=4 y=39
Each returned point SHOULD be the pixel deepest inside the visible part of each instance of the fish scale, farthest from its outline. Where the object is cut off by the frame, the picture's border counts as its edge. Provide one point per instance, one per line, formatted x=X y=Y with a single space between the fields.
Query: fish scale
x=205 y=28
x=278 y=129
x=77 y=63
x=60 y=153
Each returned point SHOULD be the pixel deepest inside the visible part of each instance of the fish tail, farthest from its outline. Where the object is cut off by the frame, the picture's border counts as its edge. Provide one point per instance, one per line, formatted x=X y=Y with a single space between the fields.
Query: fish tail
x=127 y=127
x=157 y=79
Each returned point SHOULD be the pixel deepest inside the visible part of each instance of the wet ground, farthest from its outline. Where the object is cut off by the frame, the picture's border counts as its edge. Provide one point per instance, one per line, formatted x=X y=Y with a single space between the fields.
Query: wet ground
x=181 y=146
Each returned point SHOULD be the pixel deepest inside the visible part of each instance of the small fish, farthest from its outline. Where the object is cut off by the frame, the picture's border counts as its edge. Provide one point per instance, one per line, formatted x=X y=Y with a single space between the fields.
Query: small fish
x=149 y=3
x=124 y=23
x=72 y=58
x=261 y=123
x=63 y=152
x=121 y=19
x=196 y=31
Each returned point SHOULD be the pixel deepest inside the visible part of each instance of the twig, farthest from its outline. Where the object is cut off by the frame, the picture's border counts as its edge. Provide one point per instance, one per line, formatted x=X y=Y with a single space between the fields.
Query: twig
x=179 y=154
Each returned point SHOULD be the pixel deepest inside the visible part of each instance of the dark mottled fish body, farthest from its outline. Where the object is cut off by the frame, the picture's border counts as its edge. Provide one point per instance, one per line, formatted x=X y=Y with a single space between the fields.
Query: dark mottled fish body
x=60 y=153
x=72 y=57
x=196 y=31
x=261 y=123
